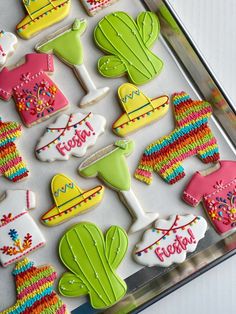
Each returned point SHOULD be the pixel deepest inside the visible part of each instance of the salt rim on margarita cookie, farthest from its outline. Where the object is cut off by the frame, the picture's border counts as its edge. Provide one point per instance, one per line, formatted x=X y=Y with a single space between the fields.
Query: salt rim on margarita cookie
x=70 y=200
x=40 y=15
x=139 y=109
x=168 y=241
x=67 y=46
x=8 y=43
x=70 y=135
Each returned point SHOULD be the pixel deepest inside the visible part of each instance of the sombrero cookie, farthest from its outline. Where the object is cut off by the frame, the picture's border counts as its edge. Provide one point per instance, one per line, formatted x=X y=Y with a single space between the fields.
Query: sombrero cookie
x=40 y=15
x=139 y=109
x=70 y=200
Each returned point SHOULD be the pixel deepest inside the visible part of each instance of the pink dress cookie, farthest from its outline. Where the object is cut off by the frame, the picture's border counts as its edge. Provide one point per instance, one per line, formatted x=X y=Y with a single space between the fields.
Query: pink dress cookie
x=216 y=188
x=36 y=96
x=19 y=234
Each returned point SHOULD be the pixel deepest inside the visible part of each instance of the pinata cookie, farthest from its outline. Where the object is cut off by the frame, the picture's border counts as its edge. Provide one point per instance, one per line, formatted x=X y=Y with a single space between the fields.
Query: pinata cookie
x=70 y=200
x=139 y=109
x=40 y=15
x=67 y=46
x=35 y=95
x=70 y=135
x=93 y=6
x=92 y=261
x=8 y=42
x=192 y=136
x=34 y=290
x=128 y=44
x=169 y=240
x=12 y=165
x=216 y=188
x=19 y=234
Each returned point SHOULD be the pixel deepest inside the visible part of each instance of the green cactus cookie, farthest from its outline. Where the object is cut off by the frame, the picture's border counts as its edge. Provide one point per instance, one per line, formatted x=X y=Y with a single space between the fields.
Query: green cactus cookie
x=92 y=261
x=128 y=43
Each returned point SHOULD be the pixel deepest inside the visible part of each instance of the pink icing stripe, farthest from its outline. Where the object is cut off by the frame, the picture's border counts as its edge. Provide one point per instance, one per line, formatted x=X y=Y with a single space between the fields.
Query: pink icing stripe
x=27 y=252
x=13 y=219
x=37 y=285
x=185 y=155
x=193 y=116
x=27 y=199
x=9 y=132
x=144 y=173
x=11 y=163
x=99 y=5
x=190 y=199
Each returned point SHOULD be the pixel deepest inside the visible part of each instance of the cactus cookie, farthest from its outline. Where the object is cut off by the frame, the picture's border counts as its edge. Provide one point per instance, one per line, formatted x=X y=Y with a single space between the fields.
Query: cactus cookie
x=93 y=261
x=128 y=44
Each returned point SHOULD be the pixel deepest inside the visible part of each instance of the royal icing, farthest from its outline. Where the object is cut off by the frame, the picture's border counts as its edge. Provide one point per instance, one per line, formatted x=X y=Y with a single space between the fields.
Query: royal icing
x=139 y=109
x=170 y=240
x=70 y=200
x=93 y=6
x=12 y=165
x=128 y=43
x=67 y=46
x=34 y=286
x=40 y=15
x=192 y=136
x=70 y=135
x=19 y=234
x=36 y=96
x=93 y=261
x=110 y=165
x=216 y=188
x=8 y=42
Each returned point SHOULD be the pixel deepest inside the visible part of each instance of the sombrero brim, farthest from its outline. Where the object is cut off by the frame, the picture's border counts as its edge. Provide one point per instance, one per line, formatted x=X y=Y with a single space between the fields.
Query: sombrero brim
x=125 y=124
x=85 y=201
x=45 y=18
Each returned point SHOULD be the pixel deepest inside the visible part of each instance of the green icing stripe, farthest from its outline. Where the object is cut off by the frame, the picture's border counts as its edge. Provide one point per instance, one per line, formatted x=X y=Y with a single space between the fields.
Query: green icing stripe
x=31 y=281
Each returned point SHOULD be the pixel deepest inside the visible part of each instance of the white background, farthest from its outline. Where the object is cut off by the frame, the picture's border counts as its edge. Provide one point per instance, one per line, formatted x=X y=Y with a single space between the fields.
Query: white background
x=212 y=24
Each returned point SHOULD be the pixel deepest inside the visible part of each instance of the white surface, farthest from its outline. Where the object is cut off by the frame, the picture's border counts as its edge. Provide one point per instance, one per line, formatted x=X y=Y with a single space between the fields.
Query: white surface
x=212 y=25
x=169 y=81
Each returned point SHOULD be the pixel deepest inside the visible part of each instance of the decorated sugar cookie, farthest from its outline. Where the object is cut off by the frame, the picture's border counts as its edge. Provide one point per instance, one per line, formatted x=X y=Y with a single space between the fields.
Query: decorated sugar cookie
x=19 y=234
x=40 y=15
x=93 y=6
x=109 y=164
x=70 y=200
x=128 y=44
x=8 y=42
x=35 y=95
x=216 y=188
x=12 y=165
x=34 y=286
x=170 y=240
x=192 y=136
x=70 y=135
x=67 y=46
x=92 y=260
x=139 y=109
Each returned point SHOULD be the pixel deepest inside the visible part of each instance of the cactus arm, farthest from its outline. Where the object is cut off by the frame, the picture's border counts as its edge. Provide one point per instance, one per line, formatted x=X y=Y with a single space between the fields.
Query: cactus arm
x=71 y=285
x=111 y=66
x=116 y=245
x=149 y=27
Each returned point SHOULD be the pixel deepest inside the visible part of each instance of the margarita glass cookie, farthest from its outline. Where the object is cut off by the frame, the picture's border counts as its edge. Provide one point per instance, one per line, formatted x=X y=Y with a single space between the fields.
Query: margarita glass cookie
x=109 y=164
x=34 y=290
x=216 y=189
x=70 y=135
x=19 y=234
x=192 y=136
x=92 y=260
x=93 y=6
x=12 y=165
x=66 y=45
x=128 y=44
x=8 y=43
x=36 y=96
x=70 y=200
x=170 y=240
x=139 y=109
x=40 y=15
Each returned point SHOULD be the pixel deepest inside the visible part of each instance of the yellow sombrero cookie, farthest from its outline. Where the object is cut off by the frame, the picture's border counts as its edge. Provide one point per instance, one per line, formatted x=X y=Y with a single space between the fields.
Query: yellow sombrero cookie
x=41 y=14
x=139 y=109
x=70 y=200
